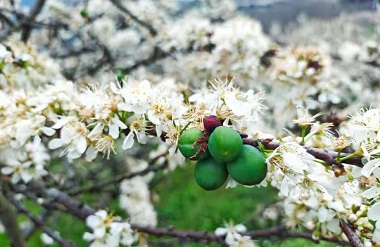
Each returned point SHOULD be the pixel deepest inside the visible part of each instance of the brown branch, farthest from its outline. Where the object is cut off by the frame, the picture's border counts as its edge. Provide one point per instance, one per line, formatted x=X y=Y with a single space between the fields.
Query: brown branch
x=282 y=232
x=8 y=217
x=6 y=19
x=29 y=19
x=155 y=56
x=326 y=155
x=123 y=9
x=63 y=202
x=31 y=228
x=118 y=179
x=40 y=224
x=206 y=237
x=350 y=234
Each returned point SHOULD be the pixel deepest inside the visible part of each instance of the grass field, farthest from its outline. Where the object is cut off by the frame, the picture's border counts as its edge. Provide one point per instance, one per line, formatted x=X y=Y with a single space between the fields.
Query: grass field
x=184 y=205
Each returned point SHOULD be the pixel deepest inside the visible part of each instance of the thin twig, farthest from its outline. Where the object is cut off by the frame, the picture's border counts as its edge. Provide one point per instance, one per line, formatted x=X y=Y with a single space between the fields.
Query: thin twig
x=118 y=179
x=8 y=216
x=323 y=154
x=282 y=232
x=40 y=224
x=28 y=232
x=29 y=19
x=123 y=9
x=155 y=56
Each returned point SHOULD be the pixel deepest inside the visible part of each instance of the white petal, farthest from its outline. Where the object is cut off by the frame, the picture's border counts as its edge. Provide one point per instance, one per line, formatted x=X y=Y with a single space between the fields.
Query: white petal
x=67 y=135
x=293 y=162
x=91 y=153
x=88 y=236
x=371 y=192
x=36 y=140
x=240 y=228
x=26 y=176
x=333 y=225
x=230 y=240
x=59 y=124
x=55 y=143
x=220 y=231
x=128 y=142
x=284 y=190
x=374 y=212
x=47 y=131
x=82 y=144
x=231 y=184
x=172 y=150
x=114 y=131
x=119 y=123
x=370 y=166
x=93 y=221
x=100 y=232
x=102 y=214
x=7 y=170
x=96 y=131
x=141 y=137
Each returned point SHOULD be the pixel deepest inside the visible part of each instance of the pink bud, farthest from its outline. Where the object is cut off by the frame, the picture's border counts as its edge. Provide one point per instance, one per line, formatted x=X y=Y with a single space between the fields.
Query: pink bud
x=211 y=122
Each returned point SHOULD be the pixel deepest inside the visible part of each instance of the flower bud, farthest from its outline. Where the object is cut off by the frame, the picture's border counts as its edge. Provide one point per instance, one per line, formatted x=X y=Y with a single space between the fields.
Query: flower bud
x=211 y=122
x=352 y=218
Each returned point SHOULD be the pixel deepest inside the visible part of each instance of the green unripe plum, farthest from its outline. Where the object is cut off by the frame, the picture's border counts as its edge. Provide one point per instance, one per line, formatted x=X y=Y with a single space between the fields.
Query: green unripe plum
x=210 y=174
x=224 y=144
x=186 y=141
x=249 y=168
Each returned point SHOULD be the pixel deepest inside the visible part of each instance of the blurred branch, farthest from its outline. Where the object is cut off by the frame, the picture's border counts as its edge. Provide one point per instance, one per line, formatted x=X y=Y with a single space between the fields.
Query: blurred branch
x=6 y=19
x=120 y=178
x=19 y=20
x=156 y=55
x=30 y=18
x=40 y=224
x=28 y=232
x=282 y=232
x=350 y=234
x=63 y=202
x=123 y=9
x=8 y=217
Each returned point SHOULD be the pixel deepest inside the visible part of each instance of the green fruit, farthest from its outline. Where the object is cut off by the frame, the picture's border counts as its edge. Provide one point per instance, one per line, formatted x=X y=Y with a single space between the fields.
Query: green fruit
x=224 y=144
x=210 y=174
x=249 y=168
x=186 y=141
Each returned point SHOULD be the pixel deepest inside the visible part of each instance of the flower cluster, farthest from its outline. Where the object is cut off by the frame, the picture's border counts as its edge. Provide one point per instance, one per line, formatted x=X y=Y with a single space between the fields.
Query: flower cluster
x=233 y=235
x=21 y=66
x=91 y=121
x=108 y=231
x=135 y=196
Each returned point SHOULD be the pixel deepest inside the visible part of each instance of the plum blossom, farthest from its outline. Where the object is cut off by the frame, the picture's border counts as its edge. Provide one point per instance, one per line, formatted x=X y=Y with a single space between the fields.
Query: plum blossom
x=304 y=118
x=137 y=128
x=107 y=231
x=73 y=137
x=231 y=231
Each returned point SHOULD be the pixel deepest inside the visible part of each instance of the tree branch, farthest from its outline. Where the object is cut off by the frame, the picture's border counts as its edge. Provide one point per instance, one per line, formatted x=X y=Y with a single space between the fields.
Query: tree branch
x=350 y=234
x=326 y=155
x=118 y=179
x=63 y=202
x=40 y=224
x=282 y=232
x=8 y=217
x=29 y=19
x=123 y=9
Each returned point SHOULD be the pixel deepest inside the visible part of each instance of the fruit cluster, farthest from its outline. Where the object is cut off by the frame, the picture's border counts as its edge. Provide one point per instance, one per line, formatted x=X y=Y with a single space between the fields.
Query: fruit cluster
x=219 y=152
